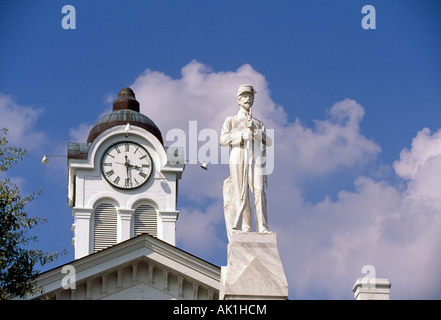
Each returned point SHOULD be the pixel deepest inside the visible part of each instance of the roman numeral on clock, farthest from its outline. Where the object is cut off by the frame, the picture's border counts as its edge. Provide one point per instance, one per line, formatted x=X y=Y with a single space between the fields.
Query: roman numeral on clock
x=109 y=173
x=142 y=174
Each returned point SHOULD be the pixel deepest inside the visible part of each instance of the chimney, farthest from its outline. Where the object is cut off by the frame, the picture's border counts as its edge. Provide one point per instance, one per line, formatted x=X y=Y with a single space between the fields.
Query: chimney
x=371 y=289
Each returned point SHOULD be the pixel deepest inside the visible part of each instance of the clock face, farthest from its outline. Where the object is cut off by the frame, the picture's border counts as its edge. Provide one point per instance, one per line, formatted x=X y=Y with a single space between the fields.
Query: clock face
x=126 y=165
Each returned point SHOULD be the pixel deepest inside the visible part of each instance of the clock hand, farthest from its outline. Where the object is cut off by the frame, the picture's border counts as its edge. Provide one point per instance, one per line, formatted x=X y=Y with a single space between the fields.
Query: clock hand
x=133 y=166
x=127 y=166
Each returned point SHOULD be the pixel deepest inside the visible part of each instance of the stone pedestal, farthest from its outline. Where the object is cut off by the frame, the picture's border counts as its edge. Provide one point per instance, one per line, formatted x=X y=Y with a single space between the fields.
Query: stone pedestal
x=254 y=269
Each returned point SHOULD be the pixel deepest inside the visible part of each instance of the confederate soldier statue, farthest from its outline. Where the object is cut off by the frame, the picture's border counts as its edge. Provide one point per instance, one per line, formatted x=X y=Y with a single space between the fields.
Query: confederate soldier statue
x=247 y=138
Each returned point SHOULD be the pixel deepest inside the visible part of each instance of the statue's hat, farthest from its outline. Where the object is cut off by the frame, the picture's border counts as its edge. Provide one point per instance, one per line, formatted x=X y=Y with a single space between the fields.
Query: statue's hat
x=245 y=88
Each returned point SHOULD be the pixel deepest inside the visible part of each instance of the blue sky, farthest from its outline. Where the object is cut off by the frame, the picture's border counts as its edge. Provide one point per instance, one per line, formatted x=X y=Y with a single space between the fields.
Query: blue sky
x=328 y=86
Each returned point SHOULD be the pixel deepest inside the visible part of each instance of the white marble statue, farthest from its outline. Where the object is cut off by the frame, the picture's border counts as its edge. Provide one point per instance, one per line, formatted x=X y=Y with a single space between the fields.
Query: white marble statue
x=247 y=138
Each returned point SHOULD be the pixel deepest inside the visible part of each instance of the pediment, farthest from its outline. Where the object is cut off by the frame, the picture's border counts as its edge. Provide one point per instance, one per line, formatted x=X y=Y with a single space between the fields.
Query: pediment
x=143 y=266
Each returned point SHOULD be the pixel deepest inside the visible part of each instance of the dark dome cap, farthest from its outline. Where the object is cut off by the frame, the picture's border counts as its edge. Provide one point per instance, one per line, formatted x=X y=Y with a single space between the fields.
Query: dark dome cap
x=125 y=110
x=126 y=100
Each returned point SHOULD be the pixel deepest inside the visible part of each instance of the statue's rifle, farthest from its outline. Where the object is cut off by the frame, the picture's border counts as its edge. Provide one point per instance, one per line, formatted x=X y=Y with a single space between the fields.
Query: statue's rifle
x=246 y=165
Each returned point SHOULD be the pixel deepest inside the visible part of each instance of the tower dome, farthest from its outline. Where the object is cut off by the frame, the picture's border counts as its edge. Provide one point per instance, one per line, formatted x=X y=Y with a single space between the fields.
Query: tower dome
x=125 y=110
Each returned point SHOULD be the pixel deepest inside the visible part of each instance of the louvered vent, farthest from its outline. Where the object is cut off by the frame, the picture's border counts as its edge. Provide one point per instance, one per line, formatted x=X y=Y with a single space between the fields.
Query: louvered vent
x=105 y=224
x=146 y=220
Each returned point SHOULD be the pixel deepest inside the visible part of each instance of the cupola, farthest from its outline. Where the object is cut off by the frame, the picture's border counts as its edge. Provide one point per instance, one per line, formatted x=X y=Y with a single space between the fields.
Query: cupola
x=125 y=110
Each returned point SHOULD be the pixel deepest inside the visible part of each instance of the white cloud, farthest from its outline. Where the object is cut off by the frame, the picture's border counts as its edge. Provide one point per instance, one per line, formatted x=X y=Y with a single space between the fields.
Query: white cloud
x=200 y=94
x=333 y=143
x=208 y=97
x=21 y=122
x=323 y=245
x=80 y=133
x=395 y=229
x=424 y=147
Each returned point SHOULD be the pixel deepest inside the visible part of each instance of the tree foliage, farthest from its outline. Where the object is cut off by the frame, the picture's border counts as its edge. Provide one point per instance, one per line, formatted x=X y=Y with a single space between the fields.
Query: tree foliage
x=18 y=263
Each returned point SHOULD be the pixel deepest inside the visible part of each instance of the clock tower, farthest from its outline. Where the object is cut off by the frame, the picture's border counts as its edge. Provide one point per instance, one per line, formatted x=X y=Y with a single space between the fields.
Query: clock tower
x=122 y=182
